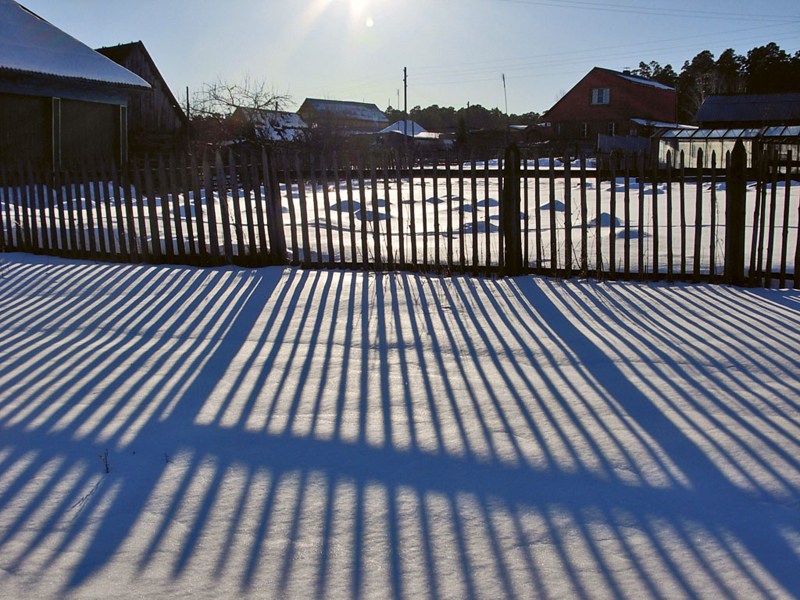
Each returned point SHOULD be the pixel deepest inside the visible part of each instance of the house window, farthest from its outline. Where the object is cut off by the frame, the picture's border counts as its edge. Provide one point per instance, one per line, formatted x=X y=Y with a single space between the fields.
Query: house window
x=601 y=95
x=584 y=130
x=612 y=128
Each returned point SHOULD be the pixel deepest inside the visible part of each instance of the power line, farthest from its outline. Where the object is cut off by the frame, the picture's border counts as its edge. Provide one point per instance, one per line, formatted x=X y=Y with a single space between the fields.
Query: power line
x=660 y=12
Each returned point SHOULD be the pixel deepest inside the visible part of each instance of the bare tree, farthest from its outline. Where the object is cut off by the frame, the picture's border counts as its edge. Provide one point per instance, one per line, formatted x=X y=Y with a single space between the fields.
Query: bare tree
x=223 y=112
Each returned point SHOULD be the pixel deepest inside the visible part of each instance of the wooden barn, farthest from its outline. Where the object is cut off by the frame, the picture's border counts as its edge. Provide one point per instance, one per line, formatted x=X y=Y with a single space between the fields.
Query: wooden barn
x=342 y=116
x=610 y=103
x=60 y=101
x=156 y=122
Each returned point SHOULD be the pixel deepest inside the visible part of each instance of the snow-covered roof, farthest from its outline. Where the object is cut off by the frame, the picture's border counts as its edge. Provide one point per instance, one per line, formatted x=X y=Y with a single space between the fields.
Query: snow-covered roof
x=341 y=109
x=651 y=123
x=399 y=127
x=279 y=125
x=29 y=44
x=644 y=81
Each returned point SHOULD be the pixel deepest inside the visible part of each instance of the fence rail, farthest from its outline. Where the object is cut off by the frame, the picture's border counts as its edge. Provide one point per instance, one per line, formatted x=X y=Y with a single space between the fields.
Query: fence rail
x=503 y=216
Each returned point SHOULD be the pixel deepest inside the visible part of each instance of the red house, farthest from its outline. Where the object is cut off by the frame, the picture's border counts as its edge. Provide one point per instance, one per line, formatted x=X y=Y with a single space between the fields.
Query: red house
x=608 y=103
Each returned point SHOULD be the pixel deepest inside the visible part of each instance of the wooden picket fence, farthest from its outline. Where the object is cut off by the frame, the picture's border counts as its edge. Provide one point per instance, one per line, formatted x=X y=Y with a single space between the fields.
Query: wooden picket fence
x=478 y=217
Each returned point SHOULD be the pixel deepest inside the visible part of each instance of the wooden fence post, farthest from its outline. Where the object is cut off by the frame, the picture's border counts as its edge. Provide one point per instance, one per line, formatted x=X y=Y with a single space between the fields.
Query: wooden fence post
x=512 y=233
x=736 y=192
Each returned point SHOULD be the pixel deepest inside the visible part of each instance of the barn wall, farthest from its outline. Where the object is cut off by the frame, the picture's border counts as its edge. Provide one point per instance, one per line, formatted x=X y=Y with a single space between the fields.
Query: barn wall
x=89 y=130
x=25 y=129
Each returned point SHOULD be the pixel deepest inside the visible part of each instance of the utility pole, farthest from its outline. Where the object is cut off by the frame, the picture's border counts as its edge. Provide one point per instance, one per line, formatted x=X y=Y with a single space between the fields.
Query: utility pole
x=505 y=96
x=405 y=113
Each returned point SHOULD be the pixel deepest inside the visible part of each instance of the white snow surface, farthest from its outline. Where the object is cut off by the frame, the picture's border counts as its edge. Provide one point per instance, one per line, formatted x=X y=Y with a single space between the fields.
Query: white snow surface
x=279 y=433
x=31 y=44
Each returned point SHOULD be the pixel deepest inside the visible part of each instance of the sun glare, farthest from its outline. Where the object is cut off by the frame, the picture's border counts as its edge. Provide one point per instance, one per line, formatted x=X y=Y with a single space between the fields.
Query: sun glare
x=357 y=7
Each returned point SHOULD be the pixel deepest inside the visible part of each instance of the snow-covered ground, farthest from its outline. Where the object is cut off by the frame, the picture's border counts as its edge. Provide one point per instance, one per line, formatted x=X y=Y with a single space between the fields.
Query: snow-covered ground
x=301 y=434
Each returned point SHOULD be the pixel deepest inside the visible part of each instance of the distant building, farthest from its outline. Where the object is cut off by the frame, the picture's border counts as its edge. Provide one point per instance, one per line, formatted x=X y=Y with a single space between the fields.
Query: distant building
x=156 y=122
x=608 y=103
x=271 y=125
x=341 y=116
x=411 y=129
x=60 y=101
x=749 y=110
x=763 y=122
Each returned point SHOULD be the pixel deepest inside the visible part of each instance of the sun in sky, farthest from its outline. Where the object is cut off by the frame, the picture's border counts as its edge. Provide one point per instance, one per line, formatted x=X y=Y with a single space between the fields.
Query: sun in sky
x=361 y=13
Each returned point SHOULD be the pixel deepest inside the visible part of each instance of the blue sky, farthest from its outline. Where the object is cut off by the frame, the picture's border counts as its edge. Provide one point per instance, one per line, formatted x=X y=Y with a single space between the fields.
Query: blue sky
x=455 y=50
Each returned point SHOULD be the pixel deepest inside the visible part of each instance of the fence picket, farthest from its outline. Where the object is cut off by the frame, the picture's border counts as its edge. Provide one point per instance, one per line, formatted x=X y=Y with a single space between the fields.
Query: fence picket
x=537 y=213
x=436 y=241
x=6 y=207
x=449 y=220
x=640 y=232
x=33 y=229
x=131 y=221
x=166 y=217
x=236 y=207
x=362 y=197
x=98 y=208
x=552 y=211
x=388 y=208
x=762 y=220
x=698 y=217
x=584 y=267
x=413 y=217
x=304 y=223
x=315 y=202
x=140 y=212
x=626 y=201
x=69 y=201
x=90 y=228
x=785 y=230
x=773 y=201
x=461 y=243
x=326 y=199
x=486 y=215
x=248 y=200
x=224 y=209
x=400 y=222
x=292 y=215
x=670 y=248
x=338 y=194
x=24 y=203
x=567 y=216
x=43 y=192
x=376 y=222
x=186 y=190
x=682 y=192
x=656 y=247
x=424 y=209
x=474 y=216
x=351 y=213
x=713 y=209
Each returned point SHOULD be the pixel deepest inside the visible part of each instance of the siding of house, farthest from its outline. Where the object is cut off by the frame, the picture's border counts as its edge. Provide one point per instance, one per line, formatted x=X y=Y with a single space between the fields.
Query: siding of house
x=574 y=117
